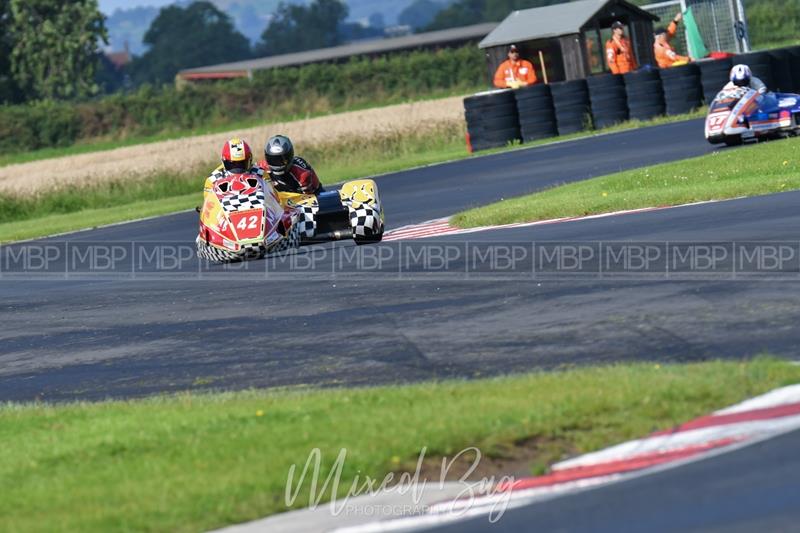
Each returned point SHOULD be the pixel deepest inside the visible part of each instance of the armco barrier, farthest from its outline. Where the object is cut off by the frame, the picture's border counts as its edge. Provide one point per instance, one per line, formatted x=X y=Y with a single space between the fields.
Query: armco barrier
x=608 y=99
x=537 y=118
x=495 y=118
x=492 y=119
x=571 y=104
x=683 y=91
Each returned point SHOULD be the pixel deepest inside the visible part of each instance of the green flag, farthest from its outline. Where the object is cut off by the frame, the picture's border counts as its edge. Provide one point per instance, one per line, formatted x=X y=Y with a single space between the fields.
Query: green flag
x=694 y=41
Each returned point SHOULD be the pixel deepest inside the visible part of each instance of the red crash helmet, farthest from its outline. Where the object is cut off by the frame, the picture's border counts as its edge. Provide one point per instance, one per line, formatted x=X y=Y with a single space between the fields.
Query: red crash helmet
x=236 y=156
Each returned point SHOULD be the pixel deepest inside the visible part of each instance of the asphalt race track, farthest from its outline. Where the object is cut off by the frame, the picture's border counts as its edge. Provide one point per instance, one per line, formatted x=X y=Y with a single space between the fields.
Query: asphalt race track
x=756 y=488
x=346 y=315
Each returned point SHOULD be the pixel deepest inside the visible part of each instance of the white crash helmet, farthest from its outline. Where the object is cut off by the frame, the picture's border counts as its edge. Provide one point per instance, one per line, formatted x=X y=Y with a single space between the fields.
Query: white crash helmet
x=740 y=75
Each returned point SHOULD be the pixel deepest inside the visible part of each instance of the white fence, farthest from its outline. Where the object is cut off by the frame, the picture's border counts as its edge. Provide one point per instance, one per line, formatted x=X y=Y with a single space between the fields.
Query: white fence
x=722 y=23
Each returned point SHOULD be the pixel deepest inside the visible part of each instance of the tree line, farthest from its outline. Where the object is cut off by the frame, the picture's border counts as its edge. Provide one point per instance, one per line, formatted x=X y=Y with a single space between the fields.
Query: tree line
x=51 y=50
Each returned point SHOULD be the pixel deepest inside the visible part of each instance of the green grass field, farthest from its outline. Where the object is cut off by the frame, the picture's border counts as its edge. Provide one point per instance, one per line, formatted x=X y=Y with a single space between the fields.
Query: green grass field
x=193 y=462
x=118 y=201
x=754 y=170
x=121 y=140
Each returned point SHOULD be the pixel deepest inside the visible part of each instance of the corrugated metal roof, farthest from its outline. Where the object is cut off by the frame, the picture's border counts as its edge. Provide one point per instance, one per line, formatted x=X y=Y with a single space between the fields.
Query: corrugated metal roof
x=549 y=21
x=376 y=46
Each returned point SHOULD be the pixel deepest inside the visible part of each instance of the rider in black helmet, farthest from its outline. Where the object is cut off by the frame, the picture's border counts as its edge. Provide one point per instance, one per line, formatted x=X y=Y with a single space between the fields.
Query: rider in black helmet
x=287 y=171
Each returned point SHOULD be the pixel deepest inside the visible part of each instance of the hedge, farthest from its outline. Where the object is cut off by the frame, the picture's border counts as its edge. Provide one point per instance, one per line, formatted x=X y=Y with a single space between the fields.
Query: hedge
x=271 y=94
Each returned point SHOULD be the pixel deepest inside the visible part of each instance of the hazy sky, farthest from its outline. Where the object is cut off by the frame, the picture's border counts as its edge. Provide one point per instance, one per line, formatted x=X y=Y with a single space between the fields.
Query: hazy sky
x=108 y=6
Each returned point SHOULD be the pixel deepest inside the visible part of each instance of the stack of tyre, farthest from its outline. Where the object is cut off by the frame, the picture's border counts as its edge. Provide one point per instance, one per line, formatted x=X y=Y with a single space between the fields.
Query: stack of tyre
x=608 y=100
x=683 y=91
x=794 y=62
x=537 y=118
x=714 y=75
x=781 y=70
x=645 y=94
x=761 y=65
x=492 y=119
x=572 y=106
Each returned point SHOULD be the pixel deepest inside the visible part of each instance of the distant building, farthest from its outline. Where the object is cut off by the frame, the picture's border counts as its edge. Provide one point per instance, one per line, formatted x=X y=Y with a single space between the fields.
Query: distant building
x=119 y=59
x=568 y=35
x=434 y=40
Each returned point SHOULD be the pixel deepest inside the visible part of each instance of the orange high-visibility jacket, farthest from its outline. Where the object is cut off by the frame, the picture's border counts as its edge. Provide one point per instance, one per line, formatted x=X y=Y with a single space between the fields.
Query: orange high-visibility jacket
x=665 y=54
x=509 y=72
x=619 y=56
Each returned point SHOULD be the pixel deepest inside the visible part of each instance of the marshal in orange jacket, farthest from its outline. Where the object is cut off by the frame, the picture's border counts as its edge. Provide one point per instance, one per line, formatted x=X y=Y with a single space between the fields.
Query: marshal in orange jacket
x=665 y=53
x=619 y=56
x=514 y=74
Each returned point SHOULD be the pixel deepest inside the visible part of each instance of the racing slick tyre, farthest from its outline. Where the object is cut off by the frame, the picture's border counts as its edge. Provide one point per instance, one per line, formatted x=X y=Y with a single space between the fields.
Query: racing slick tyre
x=217 y=255
x=366 y=224
x=714 y=75
x=288 y=244
x=734 y=140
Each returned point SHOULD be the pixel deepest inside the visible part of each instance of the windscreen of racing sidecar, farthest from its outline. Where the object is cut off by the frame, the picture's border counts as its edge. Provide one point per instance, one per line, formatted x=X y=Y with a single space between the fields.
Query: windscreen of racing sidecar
x=245 y=183
x=726 y=100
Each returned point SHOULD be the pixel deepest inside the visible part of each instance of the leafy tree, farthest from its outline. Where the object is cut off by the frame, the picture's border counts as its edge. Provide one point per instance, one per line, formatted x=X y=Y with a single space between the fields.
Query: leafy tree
x=419 y=14
x=54 y=46
x=8 y=90
x=194 y=36
x=772 y=21
x=466 y=12
x=296 y=27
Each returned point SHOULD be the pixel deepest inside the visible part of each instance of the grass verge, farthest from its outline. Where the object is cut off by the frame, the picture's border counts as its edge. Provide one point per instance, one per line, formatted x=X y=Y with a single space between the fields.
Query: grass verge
x=193 y=462
x=756 y=170
x=86 y=207
x=112 y=142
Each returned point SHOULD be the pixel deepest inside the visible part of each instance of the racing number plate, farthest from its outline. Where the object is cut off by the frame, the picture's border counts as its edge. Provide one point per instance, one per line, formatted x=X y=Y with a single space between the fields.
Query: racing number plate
x=716 y=122
x=248 y=224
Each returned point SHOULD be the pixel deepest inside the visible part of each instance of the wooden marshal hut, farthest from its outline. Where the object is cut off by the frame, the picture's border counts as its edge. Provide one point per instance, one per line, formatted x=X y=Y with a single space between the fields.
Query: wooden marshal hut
x=570 y=36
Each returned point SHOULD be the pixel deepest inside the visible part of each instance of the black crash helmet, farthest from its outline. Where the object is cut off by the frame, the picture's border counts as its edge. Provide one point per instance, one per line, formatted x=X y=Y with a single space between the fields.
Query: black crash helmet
x=279 y=154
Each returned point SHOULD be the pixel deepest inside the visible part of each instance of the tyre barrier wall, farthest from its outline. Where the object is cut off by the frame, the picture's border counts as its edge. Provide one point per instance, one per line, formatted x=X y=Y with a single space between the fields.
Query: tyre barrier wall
x=571 y=105
x=645 y=94
x=794 y=54
x=492 y=119
x=608 y=100
x=714 y=76
x=683 y=90
x=537 y=115
x=498 y=117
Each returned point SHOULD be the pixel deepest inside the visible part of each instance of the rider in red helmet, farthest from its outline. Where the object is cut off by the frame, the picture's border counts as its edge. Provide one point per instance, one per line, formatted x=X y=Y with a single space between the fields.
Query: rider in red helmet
x=237 y=158
x=287 y=171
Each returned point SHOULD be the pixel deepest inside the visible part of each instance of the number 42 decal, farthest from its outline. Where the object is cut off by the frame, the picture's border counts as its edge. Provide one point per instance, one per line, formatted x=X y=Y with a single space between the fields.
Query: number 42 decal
x=250 y=222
